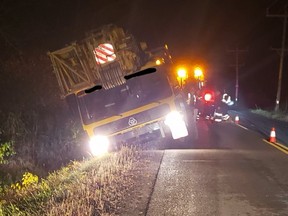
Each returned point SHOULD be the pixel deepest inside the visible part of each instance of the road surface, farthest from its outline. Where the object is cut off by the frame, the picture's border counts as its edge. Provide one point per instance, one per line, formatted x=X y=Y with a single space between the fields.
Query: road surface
x=227 y=171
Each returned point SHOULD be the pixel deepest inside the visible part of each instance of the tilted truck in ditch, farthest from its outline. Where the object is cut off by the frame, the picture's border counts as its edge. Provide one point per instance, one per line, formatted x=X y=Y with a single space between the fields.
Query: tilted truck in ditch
x=123 y=90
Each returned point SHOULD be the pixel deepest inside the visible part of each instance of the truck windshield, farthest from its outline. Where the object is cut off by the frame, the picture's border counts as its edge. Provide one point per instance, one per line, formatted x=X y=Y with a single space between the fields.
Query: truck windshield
x=134 y=93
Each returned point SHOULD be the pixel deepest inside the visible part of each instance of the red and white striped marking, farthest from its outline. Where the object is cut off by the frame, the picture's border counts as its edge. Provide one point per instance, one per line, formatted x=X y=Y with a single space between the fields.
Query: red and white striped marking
x=104 y=53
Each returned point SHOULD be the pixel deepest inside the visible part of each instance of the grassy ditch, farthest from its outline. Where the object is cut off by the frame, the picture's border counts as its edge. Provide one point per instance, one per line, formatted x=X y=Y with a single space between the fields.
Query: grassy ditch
x=90 y=187
x=279 y=115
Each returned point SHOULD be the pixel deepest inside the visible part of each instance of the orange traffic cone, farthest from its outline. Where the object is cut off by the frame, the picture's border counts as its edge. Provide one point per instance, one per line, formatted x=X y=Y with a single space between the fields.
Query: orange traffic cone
x=236 y=119
x=272 y=135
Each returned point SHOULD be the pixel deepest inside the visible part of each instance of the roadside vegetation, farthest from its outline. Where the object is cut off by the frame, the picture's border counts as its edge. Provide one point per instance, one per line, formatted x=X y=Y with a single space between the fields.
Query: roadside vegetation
x=90 y=187
x=279 y=115
x=39 y=133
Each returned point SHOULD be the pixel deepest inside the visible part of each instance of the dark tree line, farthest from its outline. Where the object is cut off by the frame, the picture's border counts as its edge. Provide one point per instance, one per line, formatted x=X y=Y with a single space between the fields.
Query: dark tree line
x=41 y=128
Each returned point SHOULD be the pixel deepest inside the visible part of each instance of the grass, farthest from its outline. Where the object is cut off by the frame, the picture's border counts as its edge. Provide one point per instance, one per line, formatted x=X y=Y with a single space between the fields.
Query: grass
x=279 y=115
x=90 y=187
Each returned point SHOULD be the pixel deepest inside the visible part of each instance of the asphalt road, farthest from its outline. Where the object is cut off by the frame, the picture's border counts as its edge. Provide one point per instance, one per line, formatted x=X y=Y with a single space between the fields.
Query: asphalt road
x=263 y=125
x=227 y=171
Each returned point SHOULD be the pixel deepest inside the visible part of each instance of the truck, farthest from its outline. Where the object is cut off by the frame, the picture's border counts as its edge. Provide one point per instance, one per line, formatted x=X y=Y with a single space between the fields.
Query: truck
x=123 y=90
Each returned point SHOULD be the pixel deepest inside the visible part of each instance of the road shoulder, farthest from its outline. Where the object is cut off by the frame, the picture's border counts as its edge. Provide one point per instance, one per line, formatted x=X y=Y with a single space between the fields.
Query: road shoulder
x=140 y=182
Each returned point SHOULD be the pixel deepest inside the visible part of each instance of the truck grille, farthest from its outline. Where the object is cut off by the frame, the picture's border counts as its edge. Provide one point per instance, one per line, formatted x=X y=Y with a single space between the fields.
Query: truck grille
x=133 y=120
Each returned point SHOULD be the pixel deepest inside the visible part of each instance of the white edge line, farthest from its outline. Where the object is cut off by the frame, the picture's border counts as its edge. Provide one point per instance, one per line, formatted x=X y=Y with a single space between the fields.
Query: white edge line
x=242 y=127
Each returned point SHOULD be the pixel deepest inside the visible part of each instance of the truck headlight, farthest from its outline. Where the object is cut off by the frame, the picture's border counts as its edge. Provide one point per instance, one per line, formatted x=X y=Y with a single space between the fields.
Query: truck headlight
x=175 y=122
x=99 y=145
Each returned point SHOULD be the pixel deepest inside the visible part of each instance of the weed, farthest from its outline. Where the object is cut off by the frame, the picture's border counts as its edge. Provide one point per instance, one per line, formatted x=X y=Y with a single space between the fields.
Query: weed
x=90 y=187
x=6 y=150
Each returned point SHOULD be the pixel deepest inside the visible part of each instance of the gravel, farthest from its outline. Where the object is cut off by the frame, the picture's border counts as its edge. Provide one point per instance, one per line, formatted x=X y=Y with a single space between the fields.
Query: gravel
x=142 y=176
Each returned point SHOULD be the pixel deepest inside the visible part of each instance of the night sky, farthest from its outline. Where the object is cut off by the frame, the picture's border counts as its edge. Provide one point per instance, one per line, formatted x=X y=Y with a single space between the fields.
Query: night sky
x=196 y=31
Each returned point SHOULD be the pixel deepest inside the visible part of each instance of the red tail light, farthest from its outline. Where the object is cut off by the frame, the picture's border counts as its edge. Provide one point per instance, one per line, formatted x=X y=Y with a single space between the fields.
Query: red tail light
x=208 y=97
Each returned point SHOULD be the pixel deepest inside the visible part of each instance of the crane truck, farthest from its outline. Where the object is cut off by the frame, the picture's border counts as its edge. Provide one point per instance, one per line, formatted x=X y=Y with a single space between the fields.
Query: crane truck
x=122 y=89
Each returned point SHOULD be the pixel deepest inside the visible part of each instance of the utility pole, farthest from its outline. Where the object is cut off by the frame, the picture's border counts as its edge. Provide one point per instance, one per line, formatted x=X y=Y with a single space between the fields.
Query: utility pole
x=282 y=53
x=237 y=51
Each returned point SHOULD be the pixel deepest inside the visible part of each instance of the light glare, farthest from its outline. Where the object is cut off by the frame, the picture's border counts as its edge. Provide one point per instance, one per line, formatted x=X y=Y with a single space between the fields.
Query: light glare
x=99 y=145
x=207 y=97
x=177 y=125
x=198 y=73
x=182 y=73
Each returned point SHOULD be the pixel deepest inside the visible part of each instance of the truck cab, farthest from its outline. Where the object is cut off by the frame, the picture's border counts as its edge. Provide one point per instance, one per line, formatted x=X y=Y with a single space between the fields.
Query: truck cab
x=144 y=107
